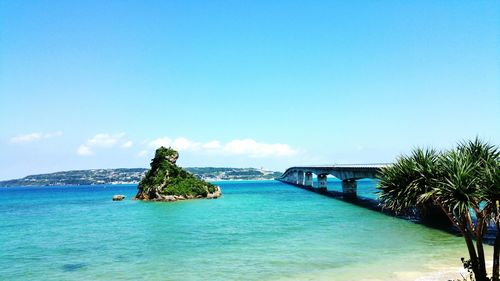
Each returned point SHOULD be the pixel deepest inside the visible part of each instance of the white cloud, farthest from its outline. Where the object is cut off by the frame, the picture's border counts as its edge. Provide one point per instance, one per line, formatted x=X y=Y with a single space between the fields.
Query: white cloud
x=103 y=140
x=243 y=147
x=212 y=145
x=164 y=141
x=127 y=144
x=26 y=138
x=84 y=150
x=255 y=149
x=35 y=137
x=237 y=147
x=181 y=144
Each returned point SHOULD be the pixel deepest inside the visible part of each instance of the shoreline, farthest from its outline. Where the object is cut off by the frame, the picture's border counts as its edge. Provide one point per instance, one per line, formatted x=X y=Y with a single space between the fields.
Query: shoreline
x=118 y=184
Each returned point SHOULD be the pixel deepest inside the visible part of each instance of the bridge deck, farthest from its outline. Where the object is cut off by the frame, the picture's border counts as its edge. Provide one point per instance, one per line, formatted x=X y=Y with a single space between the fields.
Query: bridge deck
x=341 y=171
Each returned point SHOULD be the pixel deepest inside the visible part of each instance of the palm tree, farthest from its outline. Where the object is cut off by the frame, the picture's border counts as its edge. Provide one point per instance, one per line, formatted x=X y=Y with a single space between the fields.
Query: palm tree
x=457 y=192
x=460 y=182
x=402 y=183
x=487 y=172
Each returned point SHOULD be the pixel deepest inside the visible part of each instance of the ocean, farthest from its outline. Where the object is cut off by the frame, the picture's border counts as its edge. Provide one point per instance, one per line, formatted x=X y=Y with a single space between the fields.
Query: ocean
x=258 y=230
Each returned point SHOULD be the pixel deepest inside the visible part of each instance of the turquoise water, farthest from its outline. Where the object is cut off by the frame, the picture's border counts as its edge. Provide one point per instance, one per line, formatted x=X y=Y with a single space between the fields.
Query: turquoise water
x=257 y=231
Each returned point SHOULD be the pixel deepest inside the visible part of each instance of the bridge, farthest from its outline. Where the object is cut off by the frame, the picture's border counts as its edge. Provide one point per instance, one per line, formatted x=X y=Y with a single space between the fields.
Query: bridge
x=303 y=176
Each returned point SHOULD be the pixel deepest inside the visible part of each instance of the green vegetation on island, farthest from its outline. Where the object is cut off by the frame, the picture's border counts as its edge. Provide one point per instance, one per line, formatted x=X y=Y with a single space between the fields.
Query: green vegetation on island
x=80 y=177
x=464 y=183
x=134 y=176
x=166 y=181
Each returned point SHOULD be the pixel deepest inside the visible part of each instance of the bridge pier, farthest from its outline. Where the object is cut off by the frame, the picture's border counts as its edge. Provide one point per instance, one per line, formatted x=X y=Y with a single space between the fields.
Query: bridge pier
x=322 y=182
x=300 y=177
x=287 y=179
x=349 y=188
x=292 y=178
x=309 y=179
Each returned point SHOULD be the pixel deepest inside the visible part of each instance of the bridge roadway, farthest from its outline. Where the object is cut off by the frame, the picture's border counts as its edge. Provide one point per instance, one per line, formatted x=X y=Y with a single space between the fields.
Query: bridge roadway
x=303 y=176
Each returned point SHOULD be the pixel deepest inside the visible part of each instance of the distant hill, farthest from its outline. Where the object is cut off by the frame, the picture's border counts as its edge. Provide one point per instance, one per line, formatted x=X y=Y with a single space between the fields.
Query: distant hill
x=134 y=175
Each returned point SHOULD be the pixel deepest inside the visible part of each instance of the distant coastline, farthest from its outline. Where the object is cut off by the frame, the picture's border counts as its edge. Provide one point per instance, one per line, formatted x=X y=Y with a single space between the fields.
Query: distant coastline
x=134 y=175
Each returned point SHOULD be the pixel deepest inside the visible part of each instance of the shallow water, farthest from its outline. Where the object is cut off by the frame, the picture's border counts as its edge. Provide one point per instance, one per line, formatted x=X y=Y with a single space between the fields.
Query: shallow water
x=262 y=230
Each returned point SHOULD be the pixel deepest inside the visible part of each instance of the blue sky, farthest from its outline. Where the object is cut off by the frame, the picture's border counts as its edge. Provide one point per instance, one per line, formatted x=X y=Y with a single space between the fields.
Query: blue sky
x=99 y=84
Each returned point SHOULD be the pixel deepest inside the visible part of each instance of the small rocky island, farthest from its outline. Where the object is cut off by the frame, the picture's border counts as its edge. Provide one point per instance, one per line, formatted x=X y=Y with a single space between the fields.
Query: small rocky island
x=165 y=181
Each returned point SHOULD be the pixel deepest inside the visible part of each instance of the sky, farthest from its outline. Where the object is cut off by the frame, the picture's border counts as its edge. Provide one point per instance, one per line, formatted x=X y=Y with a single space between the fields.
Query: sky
x=266 y=84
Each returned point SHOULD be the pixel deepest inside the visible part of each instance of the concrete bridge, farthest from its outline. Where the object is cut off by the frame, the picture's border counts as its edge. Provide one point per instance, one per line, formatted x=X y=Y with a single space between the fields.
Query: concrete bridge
x=303 y=176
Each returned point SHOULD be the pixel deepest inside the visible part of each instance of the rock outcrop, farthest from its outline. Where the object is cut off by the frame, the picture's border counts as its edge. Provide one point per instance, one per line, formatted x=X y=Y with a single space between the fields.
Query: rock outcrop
x=118 y=197
x=165 y=181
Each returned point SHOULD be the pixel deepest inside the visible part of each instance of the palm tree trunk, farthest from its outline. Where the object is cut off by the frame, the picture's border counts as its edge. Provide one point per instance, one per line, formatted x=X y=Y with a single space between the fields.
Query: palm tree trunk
x=496 y=255
x=480 y=257
x=472 y=251
x=464 y=229
x=477 y=233
x=473 y=256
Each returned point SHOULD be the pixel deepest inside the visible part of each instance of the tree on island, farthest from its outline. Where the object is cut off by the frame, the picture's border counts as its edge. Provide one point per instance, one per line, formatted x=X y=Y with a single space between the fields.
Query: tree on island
x=463 y=182
x=166 y=181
